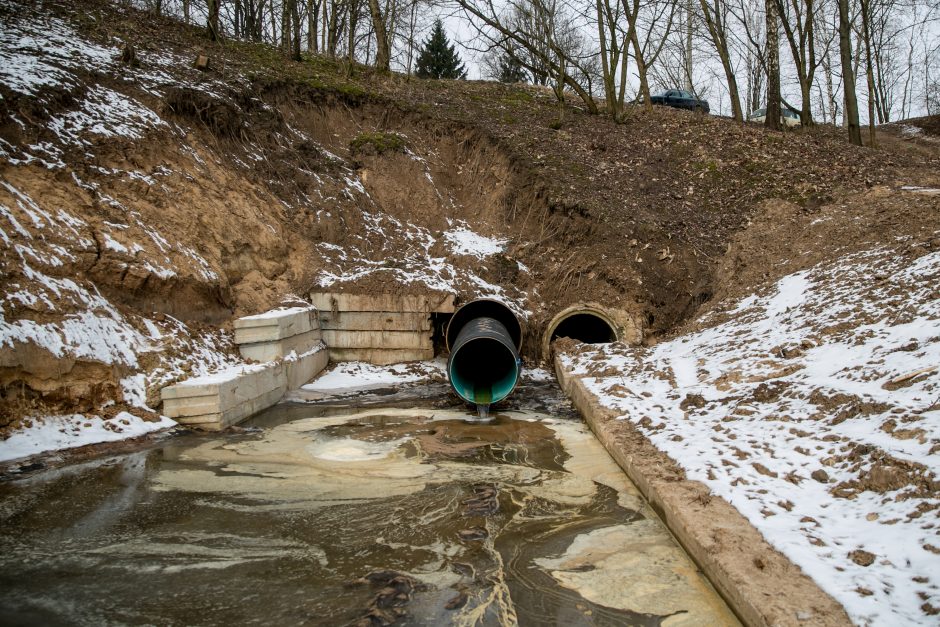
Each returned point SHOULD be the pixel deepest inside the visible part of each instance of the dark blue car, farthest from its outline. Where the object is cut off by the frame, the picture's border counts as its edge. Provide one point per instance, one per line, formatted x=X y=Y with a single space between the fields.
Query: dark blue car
x=681 y=100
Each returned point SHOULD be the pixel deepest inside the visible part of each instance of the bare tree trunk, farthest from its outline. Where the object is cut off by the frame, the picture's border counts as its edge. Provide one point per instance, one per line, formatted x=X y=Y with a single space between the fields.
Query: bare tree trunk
x=772 y=116
x=869 y=72
x=610 y=92
x=688 y=47
x=326 y=29
x=716 y=29
x=286 y=26
x=800 y=38
x=313 y=14
x=274 y=38
x=353 y=26
x=412 y=25
x=383 y=52
x=830 y=90
x=848 y=75
x=186 y=11
x=212 y=19
x=641 y=71
x=295 y=38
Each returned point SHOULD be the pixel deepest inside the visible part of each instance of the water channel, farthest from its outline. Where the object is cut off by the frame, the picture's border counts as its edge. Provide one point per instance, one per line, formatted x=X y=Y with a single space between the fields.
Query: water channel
x=388 y=507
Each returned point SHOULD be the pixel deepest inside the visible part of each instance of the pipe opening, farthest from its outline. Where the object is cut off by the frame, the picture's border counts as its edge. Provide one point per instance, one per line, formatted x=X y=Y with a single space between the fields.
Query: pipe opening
x=484 y=371
x=484 y=338
x=484 y=308
x=585 y=327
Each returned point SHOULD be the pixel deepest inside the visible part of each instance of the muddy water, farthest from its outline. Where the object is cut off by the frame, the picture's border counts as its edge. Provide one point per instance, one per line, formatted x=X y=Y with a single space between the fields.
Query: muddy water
x=338 y=514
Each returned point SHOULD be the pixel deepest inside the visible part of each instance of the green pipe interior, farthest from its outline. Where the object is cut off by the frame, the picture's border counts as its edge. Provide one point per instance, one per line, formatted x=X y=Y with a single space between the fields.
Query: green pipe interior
x=483 y=371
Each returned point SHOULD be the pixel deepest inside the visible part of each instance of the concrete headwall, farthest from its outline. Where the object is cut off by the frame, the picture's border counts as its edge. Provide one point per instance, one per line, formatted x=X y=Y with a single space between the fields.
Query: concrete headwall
x=379 y=328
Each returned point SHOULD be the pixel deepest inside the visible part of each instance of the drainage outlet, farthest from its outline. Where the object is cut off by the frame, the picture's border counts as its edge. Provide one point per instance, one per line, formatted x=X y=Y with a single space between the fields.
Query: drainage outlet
x=484 y=338
x=591 y=324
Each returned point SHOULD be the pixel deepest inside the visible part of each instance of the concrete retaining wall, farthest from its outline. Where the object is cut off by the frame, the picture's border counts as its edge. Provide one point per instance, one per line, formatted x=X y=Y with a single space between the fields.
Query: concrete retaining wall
x=758 y=582
x=396 y=303
x=287 y=341
x=380 y=329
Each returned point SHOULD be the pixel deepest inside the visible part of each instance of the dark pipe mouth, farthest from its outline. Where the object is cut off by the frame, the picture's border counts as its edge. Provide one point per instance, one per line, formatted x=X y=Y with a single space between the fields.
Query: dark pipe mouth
x=585 y=327
x=483 y=371
x=484 y=308
x=483 y=367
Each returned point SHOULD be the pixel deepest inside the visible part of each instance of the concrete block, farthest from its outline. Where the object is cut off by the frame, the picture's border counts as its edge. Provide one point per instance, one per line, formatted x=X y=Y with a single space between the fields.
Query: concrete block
x=232 y=394
x=221 y=400
x=374 y=321
x=381 y=357
x=276 y=325
x=307 y=366
x=222 y=420
x=423 y=303
x=377 y=339
x=223 y=390
x=278 y=349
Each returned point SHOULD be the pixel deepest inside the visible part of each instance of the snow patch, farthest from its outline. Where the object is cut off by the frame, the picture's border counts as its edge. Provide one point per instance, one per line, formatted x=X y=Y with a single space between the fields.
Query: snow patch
x=831 y=373
x=53 y=433
x=354 y=375
x=463 y=241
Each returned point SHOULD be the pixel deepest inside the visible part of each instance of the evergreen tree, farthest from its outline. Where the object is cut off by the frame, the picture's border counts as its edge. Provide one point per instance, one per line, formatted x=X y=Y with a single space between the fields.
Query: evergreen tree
x=511 y=70
x=438 y=59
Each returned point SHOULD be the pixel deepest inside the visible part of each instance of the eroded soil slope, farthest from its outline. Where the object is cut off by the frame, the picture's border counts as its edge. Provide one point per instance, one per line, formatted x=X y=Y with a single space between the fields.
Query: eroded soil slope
x=145 y=203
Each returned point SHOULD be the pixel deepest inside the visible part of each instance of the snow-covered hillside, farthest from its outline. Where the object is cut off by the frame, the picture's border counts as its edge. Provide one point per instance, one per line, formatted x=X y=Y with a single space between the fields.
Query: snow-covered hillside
x=814 y=409
x=144 y=204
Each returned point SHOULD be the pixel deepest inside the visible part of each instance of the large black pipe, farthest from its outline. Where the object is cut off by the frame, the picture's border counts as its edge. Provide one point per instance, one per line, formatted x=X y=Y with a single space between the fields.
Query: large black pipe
x=484 y=365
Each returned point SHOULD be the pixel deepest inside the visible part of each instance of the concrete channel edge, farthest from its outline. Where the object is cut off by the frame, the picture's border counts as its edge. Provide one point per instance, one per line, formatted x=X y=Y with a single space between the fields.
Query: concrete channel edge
x=761 y=586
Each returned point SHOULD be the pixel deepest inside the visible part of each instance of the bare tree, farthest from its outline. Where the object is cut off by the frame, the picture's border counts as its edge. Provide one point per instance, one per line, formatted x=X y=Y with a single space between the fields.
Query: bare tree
x=716 y=19
x=799 y=19
x=613 y=52
x=869 y=68
x=848 y=73
x=826 y=33
x=772 y=115
x=654 y=25
x=383 y=46
x=212 y=20
x=543 y=30
x=313 y=24
x=751 y=22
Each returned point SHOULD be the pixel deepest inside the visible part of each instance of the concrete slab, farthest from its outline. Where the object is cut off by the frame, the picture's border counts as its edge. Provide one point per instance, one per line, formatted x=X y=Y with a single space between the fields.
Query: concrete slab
x=278 y=349
x=307 y=366
x=222 y=420
x=423 y=303
x=378 y=339
x=374 y=321
x=224 y=399
x=222 y=391
x=275 y=325
x=218 y=401
x=381 y=357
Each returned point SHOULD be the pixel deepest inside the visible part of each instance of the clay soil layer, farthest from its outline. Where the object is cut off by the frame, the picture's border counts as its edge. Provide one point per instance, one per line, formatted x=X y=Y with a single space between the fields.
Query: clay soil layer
x=759 y=583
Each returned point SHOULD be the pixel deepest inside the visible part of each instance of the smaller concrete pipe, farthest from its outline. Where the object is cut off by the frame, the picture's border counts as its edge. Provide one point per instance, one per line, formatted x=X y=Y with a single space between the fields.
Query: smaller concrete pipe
x=484 y=337
x=591 y=323
x=483 y=367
